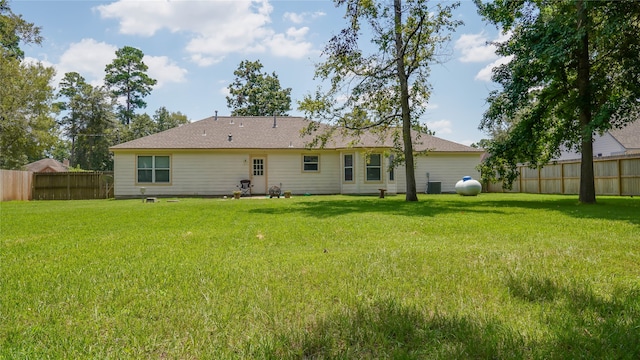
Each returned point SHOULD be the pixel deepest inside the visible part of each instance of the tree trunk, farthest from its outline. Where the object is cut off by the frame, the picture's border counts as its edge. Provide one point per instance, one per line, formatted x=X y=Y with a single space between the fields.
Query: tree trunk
x=404 y=102
x=587 y=183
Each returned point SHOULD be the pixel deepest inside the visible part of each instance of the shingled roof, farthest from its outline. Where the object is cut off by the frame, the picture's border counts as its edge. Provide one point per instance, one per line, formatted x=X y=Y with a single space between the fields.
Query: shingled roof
x=257 y=132
x=628 y=136
x=46 y=165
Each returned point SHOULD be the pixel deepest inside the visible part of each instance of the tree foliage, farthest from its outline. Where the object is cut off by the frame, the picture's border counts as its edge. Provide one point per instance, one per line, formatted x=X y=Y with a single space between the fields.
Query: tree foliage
x=382 y=86
x=141 y=125
x=13 y=30
x=27 y=127
x=574 y=71
x=145 y=125
x=73 y=88
x=127 y=78
x=253 y=93
x=98 y=132
x=88 y=121
x=165 y=119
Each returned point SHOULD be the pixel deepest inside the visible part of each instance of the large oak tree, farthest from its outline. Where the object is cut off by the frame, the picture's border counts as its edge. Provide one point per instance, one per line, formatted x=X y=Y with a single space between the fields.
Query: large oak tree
x=574 y=70
x=377 y=69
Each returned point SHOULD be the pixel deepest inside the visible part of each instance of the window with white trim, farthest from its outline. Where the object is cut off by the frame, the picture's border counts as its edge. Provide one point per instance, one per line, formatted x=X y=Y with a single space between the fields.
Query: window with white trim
x=154 y=169
x=374 y=167
x=348 y=168
x=258 y=167
x=310 y=163
x=392 y=172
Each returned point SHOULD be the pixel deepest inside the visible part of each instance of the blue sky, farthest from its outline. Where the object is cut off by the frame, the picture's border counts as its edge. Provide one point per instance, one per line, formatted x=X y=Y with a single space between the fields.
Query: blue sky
x=193 y=47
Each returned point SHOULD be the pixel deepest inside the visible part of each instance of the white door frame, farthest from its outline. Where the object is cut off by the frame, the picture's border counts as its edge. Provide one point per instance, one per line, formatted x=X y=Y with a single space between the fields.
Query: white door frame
x=258 y=176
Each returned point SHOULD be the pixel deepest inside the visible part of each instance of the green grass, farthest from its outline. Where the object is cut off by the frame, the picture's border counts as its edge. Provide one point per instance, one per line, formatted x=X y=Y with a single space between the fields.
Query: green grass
x=494 y=276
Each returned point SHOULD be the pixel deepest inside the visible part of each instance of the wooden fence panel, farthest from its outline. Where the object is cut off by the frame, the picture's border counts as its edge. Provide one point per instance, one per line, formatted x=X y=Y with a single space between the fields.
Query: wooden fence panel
x=551 y=186
x=551 y=179
x=571 y=170
x=629 y=176
x=15 y=185
x=571 y=186
x=72 y=186
x=613 y=176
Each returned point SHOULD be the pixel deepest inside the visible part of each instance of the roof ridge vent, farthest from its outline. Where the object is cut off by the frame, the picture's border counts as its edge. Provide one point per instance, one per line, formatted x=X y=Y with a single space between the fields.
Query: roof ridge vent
x=216 y=116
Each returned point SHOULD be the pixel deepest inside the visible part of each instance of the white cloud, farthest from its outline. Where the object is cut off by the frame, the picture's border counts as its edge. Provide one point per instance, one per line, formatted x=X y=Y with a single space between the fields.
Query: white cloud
x=477 y=48
x=88 y=58
x=33 y=61
x=164 y=70
x=215 y=28
x=474 y=48
x=441 y=127
x=299 y=18
x=205 y=60
x=291 y=44
x=486 y=72
x=294 y=18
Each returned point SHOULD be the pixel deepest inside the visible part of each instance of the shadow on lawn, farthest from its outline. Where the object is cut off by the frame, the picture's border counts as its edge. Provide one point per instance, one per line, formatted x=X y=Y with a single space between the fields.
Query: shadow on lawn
x=609 y=208
x=581 y=324
x=363 y=205
x=387 y=329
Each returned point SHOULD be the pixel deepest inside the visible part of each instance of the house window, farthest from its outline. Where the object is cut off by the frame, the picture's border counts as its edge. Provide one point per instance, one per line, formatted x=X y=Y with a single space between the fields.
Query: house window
x=310 y=163
x=154 y=169
x=392 y=173
x=374 y=167
x=258 y=167
x=348 y=168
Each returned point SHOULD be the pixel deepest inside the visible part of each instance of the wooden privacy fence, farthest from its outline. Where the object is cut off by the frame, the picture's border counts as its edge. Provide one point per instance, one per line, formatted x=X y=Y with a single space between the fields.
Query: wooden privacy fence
x=613 y=176
x=72 y=185
x=15 y=185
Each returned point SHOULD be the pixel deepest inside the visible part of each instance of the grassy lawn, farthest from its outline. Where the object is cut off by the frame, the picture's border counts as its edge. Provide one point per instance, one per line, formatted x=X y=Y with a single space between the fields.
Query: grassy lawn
x=494 y=276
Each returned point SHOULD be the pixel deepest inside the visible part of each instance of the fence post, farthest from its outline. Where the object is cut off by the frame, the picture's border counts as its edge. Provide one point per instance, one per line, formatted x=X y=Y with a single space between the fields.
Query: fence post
x=619 y=177
x=539 y=181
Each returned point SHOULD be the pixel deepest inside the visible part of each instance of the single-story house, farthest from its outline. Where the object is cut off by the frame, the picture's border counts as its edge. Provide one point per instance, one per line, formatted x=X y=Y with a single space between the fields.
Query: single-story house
x=211 y=156
x=47 y=165
x=615 y=142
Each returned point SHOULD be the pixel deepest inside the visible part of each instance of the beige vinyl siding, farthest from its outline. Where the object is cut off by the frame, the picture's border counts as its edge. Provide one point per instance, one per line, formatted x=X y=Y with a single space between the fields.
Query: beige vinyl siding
x=285 y=169
x=360 y=185
x=216 y=173
x=370 y=187
x=192 y=174
x=351 y=187
x=443 y=167
x=207 y=173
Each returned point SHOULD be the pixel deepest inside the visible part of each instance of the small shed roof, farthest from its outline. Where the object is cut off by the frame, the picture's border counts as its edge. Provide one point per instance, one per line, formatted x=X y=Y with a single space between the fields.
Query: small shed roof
x=44 y=165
